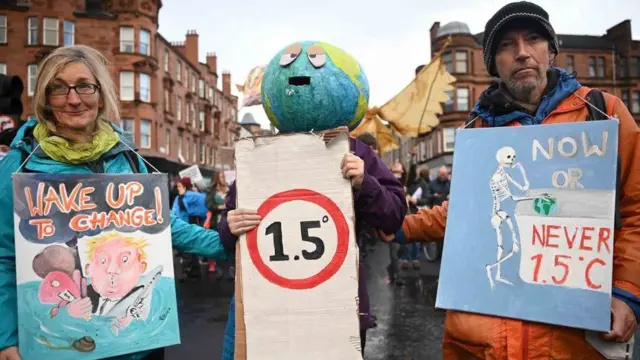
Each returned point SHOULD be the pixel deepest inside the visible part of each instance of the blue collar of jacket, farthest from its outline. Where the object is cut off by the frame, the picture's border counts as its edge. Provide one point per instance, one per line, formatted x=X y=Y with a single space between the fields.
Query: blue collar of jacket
x=26 y=143
x=565 y=85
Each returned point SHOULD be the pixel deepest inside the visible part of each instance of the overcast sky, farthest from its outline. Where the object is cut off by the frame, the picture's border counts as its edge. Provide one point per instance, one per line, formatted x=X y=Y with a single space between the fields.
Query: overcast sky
x=388 y=41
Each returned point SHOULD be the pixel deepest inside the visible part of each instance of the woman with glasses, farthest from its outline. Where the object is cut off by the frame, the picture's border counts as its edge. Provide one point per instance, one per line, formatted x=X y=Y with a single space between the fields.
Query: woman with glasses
x=76 y=108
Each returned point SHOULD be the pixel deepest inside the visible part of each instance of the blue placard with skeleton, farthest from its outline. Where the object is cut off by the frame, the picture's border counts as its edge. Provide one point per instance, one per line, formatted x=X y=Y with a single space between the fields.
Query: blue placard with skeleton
x=531 y=221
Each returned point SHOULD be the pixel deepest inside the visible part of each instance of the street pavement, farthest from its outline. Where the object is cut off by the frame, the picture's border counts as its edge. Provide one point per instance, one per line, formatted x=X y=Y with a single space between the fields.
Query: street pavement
x=409 y=327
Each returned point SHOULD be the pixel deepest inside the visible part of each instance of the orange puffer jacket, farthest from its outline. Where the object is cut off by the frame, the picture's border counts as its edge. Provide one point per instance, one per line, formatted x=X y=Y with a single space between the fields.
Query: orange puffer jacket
x=474 y=336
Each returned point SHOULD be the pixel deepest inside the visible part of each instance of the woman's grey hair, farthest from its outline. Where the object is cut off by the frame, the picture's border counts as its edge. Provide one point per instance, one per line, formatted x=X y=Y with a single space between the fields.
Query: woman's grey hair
x=95 y=62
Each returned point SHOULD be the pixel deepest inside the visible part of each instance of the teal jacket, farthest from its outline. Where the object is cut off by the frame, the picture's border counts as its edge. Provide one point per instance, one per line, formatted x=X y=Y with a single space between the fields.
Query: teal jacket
x=186 y=238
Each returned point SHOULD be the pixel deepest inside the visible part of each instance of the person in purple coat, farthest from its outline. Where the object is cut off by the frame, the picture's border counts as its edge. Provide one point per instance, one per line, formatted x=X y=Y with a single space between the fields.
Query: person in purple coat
x=379 y=201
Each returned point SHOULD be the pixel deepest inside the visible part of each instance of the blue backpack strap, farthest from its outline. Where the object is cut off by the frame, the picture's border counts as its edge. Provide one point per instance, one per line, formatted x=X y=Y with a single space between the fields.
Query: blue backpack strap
x=134 y=163
x=596 y=98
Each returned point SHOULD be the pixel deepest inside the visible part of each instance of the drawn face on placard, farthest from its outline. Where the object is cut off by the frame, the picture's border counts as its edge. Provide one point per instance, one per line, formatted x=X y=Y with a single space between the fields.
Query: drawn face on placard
x=506 y=156
x=115 y=265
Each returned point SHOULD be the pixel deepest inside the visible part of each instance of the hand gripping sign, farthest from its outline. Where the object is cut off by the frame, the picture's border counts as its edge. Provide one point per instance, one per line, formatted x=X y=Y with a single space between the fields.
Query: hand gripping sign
x=298 y=271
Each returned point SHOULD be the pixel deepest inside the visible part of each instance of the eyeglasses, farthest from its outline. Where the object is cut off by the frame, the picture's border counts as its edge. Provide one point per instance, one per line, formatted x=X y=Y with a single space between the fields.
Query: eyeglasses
x=81 y=89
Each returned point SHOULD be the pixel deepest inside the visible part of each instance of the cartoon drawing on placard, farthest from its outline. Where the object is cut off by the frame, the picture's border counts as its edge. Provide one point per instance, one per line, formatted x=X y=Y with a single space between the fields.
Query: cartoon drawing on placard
x=115 y=269
x=547 y=204
x=94 y=266
x=500 y=191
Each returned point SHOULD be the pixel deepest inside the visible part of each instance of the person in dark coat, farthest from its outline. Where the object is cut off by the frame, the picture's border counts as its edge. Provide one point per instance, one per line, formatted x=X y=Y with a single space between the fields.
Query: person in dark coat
x=378 y=198
x=440 y=186
x=411 y=252
x=367 y=235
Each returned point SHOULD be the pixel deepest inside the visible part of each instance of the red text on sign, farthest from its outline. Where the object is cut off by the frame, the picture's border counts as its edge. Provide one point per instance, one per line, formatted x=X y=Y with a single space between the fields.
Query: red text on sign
x=44 y=227
x=585 y=238
x=135 y=217
x=77 y=200
x=126 y=192
x=561 y=263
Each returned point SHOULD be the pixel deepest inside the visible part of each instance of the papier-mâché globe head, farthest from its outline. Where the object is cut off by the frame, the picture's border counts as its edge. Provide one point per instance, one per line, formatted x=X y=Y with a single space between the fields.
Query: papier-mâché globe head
x=312 y=85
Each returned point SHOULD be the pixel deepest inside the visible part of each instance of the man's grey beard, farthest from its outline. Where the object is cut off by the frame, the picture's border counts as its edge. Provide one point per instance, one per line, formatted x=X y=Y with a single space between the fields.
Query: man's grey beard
x=522 y=91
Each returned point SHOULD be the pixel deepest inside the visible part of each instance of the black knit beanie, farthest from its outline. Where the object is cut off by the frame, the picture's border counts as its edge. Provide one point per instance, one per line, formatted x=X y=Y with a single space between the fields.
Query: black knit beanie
x=522 y=14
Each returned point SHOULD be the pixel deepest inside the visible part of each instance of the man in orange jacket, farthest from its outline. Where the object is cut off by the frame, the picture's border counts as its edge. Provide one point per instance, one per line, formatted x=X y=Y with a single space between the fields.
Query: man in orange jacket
x=519 y=46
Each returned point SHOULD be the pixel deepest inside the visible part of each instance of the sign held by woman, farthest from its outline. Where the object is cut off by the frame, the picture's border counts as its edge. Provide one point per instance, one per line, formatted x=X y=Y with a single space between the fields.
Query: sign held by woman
x=94 y=265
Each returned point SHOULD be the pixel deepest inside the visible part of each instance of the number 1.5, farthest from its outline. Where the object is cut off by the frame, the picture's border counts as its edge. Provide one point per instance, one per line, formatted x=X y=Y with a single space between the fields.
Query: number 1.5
x=275 y=229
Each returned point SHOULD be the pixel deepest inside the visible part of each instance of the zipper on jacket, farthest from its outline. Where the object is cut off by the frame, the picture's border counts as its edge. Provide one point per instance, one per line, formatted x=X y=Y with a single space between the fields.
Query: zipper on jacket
x=525 y=341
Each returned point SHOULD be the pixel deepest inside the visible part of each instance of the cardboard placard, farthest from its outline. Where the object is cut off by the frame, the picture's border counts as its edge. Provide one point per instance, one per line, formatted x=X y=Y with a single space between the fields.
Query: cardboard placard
x=192 y=172
x=297 y=285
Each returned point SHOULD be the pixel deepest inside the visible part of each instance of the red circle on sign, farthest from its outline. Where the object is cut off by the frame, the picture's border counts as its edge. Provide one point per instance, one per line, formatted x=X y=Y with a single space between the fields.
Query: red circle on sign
x=341 y=249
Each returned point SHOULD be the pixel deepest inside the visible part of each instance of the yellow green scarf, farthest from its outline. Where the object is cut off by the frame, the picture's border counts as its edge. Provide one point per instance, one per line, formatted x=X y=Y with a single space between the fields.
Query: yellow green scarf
x=60 y=149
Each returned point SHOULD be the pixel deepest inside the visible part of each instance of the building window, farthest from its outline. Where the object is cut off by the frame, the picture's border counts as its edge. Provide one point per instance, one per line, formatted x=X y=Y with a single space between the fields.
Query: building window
x=462 y=95
x=166 y=60
x=126 y=39
x=570 y=64
x=448 y=63
x=179 y=146
x=145 y=87
x=201 y=88
x=126 y=86
x=592 y=66
x=32 y=72
x=201 y=119
x=32 y=35
x=129 y=125
x=3 y=69
x=634 y=66
x=622 y=65
x=212 y=156
x=3 y=29
x=194 y=151
x=635 y=106
x=167 y=141
x=192 y=114
x=50 y=31
x=193 y=83
x=625 y=99
x=600 y=67
x=448 y=105
x=167 y=100
x=145 y=134
x=69 y=33
x=203 y=151
x=448 y=139
x=178 y=71
x=145 y=43
x=178 y=108
x=461 y=62
x=211 y=94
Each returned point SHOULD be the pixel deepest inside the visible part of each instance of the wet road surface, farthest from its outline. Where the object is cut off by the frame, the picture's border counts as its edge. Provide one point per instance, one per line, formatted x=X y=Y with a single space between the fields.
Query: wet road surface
x=409 y=327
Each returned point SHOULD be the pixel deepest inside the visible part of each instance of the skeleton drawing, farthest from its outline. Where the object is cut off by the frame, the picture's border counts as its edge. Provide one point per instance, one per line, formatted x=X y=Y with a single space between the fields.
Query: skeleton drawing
x=499 y=184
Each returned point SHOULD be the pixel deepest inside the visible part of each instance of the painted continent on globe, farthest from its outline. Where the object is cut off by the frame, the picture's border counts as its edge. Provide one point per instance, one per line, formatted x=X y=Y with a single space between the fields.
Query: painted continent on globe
x=546 y=204
x=316 y=86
